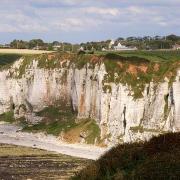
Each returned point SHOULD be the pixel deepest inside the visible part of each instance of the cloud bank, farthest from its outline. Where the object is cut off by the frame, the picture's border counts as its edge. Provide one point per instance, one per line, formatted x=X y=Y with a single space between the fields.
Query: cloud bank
x=88 y=19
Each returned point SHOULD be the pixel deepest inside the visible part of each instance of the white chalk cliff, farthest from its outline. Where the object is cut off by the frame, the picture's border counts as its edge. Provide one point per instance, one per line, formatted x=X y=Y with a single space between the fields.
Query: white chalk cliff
x=120 y=116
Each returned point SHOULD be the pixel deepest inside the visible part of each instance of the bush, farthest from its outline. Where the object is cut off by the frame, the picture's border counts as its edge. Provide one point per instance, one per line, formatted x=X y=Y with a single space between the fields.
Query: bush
x=157 y=159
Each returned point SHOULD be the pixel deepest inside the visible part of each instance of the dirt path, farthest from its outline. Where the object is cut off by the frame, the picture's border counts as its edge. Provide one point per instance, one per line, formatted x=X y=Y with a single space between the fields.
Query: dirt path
x=9 y=134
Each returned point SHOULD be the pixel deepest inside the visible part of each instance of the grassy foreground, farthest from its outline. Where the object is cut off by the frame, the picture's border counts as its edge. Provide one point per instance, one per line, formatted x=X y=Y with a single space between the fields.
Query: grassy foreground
x=154 y=160
x=18 y=162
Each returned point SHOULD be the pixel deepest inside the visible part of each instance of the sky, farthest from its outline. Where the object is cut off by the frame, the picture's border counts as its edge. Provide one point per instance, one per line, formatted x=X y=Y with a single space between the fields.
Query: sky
x=87 y=20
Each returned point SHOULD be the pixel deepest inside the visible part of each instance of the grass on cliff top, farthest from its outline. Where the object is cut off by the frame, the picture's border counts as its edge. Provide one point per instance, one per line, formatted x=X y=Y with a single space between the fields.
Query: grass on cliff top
x=137 y=71
x=156 y=159
x=156 y=56
x=8 y=59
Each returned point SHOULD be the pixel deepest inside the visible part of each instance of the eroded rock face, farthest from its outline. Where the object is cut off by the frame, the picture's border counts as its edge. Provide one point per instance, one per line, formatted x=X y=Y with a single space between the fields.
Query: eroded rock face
x=121 y=117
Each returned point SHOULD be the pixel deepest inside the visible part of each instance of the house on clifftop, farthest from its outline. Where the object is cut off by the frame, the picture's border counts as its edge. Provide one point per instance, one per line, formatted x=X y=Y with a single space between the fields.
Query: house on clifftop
x=121 y=47
x=176 y=47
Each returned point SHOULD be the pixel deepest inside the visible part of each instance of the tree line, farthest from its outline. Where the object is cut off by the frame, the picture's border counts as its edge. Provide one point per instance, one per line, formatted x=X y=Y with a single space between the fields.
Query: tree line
x=142 y=43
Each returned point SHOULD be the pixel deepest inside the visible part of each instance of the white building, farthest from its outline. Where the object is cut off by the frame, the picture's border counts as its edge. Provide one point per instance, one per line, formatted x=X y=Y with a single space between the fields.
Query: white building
x=81 y=48
x=104 y=49
x=121 y=47
x=111 y=44
x=176 y=47
x=56 y=47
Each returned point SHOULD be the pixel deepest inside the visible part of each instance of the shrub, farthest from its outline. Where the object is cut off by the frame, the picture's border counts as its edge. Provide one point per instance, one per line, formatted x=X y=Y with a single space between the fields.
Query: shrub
x=156 y=159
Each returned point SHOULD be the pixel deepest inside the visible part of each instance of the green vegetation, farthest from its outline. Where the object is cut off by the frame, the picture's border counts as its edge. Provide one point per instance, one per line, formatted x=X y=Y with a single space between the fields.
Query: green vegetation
x=82 y=60
x=136 y=69
x=141 y=129
x=31 y=163
x=7 y=59
x=142 y=43
x=24 y=65
x=55 y=120
x=155 y=56
x=93 y=132
x=156 y=159
x=86 y=129
x=107 y=88
x=7 y=117
x=62 y=119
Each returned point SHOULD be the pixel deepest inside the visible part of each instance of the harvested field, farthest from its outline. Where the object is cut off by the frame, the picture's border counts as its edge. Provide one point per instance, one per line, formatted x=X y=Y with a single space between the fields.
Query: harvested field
x=23 y=51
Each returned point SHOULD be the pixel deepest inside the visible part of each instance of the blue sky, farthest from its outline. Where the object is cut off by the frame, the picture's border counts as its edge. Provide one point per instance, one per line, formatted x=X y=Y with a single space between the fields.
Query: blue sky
x=87 y=20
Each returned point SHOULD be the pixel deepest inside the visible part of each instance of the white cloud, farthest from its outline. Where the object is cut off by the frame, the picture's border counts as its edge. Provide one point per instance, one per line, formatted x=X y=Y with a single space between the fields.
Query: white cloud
x=87 y=15
x=102 y=11
x=74 y=24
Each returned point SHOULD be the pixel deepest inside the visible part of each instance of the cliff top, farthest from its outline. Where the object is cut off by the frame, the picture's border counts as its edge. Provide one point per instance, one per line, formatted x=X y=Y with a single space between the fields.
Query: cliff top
x=135 y=69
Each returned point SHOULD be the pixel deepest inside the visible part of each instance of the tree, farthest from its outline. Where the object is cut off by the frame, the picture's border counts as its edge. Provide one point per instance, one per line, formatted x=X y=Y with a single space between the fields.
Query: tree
x=19 y=44
x=173 y=38
x=36 y=42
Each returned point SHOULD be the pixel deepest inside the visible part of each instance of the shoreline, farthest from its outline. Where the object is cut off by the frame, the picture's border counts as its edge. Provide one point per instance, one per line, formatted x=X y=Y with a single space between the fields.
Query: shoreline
x=9 y=135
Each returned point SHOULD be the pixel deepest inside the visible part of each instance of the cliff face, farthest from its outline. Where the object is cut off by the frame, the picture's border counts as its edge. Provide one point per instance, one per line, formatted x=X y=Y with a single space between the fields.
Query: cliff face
x=120 y=116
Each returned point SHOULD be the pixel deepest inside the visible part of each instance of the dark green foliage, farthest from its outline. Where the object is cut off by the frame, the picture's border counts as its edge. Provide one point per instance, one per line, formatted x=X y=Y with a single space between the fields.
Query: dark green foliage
x=155 y=56
x=7 y=117
x=19 y=44
x=8 y=59
x=132 y=59
x=36 y=42
x=156 y=159
x=81 y=52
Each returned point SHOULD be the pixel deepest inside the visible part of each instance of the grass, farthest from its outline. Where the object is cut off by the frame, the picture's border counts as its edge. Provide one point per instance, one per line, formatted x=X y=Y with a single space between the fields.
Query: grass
x=136 y=71
x=12 y=150
x=93 y=132
x=54 y=127
x=7 y=59
x=55 y=120
x=86 y=129
x=156 y=159
x=18 y=162
x=58 y=119
x=7 y=117
x=155 y=56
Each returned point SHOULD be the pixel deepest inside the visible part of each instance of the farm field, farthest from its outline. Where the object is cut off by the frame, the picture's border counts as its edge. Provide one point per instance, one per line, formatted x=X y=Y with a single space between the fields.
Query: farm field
x=22 y=51
x=155 y=56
